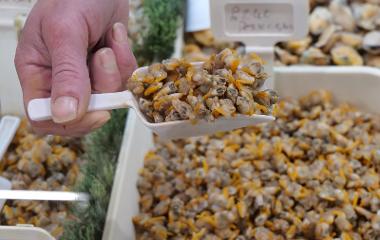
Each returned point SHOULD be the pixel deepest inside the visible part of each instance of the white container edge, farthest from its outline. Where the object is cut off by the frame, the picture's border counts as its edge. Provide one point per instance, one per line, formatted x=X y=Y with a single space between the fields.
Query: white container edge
x=21 y=231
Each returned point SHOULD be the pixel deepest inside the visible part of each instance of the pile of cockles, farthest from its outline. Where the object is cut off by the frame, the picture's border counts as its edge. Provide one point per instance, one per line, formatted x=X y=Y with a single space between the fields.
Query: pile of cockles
x=225 y=85
x=311 y=174
x=200 y=45
x=341 y=32
x=48 y=163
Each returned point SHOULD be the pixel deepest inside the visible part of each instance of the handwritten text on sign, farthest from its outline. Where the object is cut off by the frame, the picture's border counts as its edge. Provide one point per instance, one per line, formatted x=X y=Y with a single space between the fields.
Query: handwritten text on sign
x=259 y=18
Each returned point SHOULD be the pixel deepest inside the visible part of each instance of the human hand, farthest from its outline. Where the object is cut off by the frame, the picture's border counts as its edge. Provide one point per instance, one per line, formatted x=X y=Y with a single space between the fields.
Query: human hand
x=69 y=49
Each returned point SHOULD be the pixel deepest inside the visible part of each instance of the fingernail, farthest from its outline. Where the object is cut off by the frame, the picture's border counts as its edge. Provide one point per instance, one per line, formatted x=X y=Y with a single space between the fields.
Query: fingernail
x=65 y=109
x=119 y=32
x=108 y=61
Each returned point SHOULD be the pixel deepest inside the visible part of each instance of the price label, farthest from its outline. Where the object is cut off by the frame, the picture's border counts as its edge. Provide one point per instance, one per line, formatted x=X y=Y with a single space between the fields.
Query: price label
x=259 y=22
x=259 y=18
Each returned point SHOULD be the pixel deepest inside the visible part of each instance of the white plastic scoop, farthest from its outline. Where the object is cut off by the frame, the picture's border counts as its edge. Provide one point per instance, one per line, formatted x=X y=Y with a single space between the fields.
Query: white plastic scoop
x=39 y=110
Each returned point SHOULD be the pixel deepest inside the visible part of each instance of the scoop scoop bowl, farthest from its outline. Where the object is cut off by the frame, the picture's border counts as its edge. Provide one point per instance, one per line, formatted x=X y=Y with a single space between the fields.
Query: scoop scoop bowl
x=40 y=110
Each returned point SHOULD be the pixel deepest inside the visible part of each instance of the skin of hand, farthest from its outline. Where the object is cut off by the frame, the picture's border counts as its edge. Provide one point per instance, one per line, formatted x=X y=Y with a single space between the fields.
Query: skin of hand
x=68 y=50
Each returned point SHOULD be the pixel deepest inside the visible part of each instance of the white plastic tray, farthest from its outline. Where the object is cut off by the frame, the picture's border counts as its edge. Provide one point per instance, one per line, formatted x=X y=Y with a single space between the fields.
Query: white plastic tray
x=4 y=185
x=21 y=231
x=359 y=86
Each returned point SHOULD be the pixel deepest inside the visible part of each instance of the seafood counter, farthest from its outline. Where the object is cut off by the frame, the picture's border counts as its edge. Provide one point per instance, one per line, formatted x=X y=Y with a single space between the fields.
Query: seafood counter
x=48 y=163
x=311 y=174
x=314 y=173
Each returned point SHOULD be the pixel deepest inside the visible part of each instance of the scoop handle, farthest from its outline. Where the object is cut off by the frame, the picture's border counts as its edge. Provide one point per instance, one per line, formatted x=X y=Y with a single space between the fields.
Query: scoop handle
x=40 y=109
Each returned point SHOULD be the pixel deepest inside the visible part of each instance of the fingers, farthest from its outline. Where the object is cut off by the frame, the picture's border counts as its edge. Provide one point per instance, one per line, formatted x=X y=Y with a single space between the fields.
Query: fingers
x=105 y=73
x=111 y=67
x=117 y=39
x=90 y=122
x=70 y=84
x=51 y=60
x=106 y=78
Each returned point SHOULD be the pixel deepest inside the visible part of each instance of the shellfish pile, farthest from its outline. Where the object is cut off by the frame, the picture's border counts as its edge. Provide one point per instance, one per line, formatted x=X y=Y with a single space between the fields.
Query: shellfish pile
x=223 y=86
x=311 y=174
x=341 y=32
x=200 y=45
x=48 y=163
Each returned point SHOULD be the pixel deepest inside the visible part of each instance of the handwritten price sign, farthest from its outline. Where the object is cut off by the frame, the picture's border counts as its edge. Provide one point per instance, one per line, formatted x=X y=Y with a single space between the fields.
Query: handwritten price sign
x=259 y=18
x=259 y=22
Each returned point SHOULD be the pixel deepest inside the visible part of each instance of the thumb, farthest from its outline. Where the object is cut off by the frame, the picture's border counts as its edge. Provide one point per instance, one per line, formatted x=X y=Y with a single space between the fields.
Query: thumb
x=71 y=86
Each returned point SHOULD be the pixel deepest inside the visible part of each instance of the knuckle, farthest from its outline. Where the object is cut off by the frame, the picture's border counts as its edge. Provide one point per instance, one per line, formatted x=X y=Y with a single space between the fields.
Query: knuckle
x=56 y=26
x=65 y=72
x=66 y=78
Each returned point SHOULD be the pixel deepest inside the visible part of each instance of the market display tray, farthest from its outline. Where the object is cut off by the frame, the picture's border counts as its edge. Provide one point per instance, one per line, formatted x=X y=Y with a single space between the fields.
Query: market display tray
x=355 y=85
